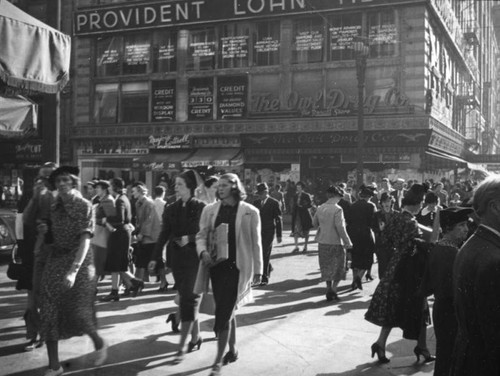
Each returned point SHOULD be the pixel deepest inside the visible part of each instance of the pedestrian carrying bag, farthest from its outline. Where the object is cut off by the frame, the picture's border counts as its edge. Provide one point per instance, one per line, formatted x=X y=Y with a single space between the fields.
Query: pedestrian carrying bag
x=16 y=270
x=101 y=236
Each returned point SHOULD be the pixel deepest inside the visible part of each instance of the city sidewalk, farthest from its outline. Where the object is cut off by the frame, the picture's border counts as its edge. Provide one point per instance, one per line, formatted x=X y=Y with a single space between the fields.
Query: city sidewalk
x=290 y=330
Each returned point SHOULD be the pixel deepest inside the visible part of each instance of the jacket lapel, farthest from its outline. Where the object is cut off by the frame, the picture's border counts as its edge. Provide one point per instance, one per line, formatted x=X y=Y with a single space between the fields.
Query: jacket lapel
x=488 y=235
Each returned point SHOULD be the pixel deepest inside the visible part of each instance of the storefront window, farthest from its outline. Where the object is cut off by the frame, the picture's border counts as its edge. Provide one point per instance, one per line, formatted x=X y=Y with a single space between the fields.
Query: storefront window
x=307 y=41
x=201 y=54
x=382 y=34
x=106 y=103
x=109 y=52
x=266 y=39
x=342 y=31
x=234 y=45
x=164 y=52
x=136 y=55
x=135 y=102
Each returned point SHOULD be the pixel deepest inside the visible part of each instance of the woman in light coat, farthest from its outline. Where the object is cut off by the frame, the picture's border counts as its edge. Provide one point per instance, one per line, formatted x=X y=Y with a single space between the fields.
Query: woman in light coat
x=332 y=238
x=231 y=277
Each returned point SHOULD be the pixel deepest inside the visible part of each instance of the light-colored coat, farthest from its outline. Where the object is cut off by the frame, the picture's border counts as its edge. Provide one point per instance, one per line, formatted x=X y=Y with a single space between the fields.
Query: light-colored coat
x=248 y=244
x=332 y=228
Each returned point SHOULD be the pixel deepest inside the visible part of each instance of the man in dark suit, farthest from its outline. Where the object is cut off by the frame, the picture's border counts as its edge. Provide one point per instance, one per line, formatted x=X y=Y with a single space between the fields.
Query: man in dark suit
x=476 y=288
x=270 y=217
x=398 y=193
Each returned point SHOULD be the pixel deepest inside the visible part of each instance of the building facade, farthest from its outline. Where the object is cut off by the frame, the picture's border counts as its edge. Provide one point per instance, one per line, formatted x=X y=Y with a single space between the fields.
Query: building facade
x=268 y=88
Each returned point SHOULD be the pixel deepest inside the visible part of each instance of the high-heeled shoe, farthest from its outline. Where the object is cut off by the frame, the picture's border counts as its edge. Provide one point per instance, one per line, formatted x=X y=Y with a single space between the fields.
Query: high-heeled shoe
x=377 y=349
x=368 y=277
x=179 y=357
x=137 y=287
x=230 y=357
x=192 y=346
x=175 y=325
x=112 y=296
x=425 y=353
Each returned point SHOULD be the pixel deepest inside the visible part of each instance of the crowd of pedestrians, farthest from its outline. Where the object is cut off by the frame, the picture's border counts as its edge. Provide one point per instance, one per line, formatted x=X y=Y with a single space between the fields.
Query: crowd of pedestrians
x=217 y=242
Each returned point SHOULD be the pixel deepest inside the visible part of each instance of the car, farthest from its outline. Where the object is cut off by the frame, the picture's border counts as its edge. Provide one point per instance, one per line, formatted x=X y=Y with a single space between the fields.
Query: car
x=8 y=240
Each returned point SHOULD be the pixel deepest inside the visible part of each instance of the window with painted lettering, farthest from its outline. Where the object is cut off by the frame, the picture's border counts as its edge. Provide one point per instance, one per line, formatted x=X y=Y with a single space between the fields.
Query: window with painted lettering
x=106 y=103
x=109 y=54
x=382 y=33
x=342 y=32
x=233 y=45
x=308 y=40
x=201 y=50
x=135 y=102
x=136 y=54
x=164 y=50
x=266 y=38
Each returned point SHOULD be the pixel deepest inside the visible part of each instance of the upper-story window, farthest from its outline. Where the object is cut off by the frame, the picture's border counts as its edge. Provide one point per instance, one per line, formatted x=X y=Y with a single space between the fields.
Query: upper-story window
x=164 y=49
x=382 y=33
x=308 y=40
x=202 y=49
x=234 y=42
x=266 y=43
x=136 y=54
x=109 y=52
x=343 y=30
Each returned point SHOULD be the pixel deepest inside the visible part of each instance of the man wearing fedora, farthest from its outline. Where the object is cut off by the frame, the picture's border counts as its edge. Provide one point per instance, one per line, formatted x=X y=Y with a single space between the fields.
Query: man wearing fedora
x=270 y=217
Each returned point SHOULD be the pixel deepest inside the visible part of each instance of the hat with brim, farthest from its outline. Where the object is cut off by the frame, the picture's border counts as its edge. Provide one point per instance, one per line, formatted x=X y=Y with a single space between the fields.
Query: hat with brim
x=63 y=170
x=262 y=187
x=104 y=184
x=367 y=191
x=449 y=217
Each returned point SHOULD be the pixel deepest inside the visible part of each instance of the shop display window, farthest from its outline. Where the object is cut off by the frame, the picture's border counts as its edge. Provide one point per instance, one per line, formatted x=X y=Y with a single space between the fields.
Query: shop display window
x=164 y=49
x=135 y=102
x=109 y=53
x=266 y=43
x=233 y=46
x=308 y=40
x=201 y=50
x=136 y=54
x=342 y=32
x=106 y=103
x=382 y=34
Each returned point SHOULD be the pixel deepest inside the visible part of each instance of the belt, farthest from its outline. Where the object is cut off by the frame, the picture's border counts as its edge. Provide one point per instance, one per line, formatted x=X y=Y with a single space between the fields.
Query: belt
x=184 y=240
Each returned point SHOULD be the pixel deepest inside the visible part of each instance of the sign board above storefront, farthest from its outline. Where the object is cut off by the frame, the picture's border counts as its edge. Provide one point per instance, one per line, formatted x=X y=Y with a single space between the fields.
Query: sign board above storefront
x=187 y=12
x=399 y=138
x=170 y=142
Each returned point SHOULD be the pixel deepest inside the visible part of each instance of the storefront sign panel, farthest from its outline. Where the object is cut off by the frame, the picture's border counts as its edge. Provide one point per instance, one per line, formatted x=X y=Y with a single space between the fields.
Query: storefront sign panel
x=232 y=97
x=170 y=142
x=201 y=99
x=29 y=151
x=163 y=100
x=187 y=12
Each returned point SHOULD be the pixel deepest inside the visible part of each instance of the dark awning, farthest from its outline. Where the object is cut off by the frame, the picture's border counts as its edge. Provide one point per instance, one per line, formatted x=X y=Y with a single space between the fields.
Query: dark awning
x=16 y=115
x=160 y=161
x=33 y=55
x=212 y=157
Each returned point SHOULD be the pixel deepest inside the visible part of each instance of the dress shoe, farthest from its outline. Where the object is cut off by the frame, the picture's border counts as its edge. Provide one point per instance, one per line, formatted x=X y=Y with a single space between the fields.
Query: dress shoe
x=163 y=288
x=33 y=344
x=230 y=357
x=179 y=357
x=368 y=277
x=425 y=353
x=193 y=345
x=173 y=319
x=296 y=250
x=137 y=287
x=216 y=369
x=113 y=296
x=377 y=349
x=54 y=372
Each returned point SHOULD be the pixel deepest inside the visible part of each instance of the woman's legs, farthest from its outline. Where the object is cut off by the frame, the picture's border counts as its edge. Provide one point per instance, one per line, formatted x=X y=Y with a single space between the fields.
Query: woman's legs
x=382 y=338
x=195 y=331
x=53 y=354
x=97 y=340
x=422 y=337
x=186 y=329
x=225 y=337
x=306 y=241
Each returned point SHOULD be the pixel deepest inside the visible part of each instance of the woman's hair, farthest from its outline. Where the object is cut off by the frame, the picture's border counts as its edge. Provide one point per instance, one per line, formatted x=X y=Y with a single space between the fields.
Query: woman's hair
x=333 y=191
x=486 y=192
x=415 y=195
x=117 y=184
x=141 y=187
x=211 y=180
x=189 y=178
x=386 y=196
x=237 y=190
x=301 y=184
x=431 y=198
x=103 y=184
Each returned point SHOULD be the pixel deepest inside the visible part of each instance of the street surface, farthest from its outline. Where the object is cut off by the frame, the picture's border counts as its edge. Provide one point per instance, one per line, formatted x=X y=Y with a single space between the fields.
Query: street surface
x=290 y=330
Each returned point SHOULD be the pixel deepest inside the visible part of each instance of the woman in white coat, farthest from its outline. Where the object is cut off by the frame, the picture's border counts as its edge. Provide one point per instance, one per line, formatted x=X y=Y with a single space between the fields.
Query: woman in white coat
x=232 y=277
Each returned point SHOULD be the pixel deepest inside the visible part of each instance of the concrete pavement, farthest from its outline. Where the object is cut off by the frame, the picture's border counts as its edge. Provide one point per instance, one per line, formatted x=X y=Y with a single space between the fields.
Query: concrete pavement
x=290 y=330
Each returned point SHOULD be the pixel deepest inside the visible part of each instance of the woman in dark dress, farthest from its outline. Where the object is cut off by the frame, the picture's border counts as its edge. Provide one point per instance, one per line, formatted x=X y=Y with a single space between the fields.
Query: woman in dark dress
x=380 y=219
x=68 y=281
x=119 y=242
x=438 y=281
x=396 y=302
x=363 y=240
x=301 y=216
x=181 y=222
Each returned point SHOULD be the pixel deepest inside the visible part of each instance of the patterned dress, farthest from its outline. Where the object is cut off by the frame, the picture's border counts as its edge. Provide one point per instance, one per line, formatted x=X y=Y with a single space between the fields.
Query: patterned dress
x=395 y=302
x=68 y=312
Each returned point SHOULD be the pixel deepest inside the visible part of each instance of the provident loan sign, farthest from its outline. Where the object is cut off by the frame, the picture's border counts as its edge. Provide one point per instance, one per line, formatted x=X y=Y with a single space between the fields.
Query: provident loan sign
x=186 y=12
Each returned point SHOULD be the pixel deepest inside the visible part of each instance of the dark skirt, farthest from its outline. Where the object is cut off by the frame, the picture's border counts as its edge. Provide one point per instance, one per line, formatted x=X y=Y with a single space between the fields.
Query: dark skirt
x=185 y=262
x=100 y=257
x=362 y=249
x=224 y=277
x=118 y=251
x=445 y=328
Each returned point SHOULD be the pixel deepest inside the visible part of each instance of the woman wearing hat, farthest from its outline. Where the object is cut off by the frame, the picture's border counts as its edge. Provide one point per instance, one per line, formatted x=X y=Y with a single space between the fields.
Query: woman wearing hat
x=332 y=238
x=360 y=231
x=396 y=301
x=68 y=282
x=181 y=222
x=438 y=281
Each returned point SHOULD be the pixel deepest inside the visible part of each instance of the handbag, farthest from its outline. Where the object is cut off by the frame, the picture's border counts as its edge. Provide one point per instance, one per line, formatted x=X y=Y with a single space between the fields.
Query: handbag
x=101 y=236
x=207 y=304
x=16 y=270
